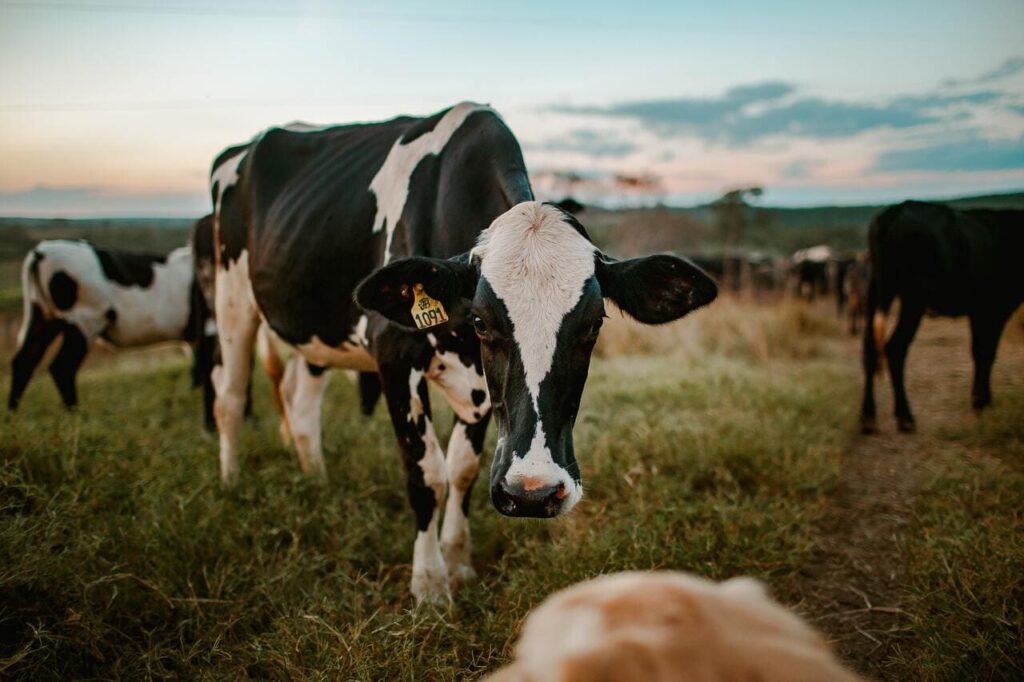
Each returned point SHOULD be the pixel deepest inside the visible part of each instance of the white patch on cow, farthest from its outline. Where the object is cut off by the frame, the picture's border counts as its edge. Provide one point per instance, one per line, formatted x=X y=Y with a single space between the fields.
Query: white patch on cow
x=537 y=265
x=814 y=254
x=358 y=335
x=225 y=175
x=303 y=127
x=462 y=465
x=144 y=315
x=429 y=572
x=303 y=395
x=415 y=404
x=538 y=465
x=237 y=325
x=391 y=184
x=458 y=381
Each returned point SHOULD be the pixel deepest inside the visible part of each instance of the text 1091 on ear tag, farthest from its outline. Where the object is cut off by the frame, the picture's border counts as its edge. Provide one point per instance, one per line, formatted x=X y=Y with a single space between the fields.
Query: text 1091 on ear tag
x=426 y=311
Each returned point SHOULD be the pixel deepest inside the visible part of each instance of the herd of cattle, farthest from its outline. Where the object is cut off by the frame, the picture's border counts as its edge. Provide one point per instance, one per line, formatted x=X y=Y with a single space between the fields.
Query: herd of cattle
x=413 y=251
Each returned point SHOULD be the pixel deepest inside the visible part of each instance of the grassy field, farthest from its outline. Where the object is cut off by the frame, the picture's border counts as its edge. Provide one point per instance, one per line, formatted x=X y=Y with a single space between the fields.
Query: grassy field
x=713 y=446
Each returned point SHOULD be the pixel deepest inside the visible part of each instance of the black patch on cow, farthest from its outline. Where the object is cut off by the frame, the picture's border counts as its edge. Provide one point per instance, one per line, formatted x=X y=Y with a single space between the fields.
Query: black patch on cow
x=571 y=205
x=63 y=290
x=478 y=396
x=570 y=219
x=127 y=268
x=315 y=370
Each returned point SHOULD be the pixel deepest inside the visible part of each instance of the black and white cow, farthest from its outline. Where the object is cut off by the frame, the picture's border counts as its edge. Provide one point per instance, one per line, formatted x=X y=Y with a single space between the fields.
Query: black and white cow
x=81 y=292
x=949 y=262
x=444 y=204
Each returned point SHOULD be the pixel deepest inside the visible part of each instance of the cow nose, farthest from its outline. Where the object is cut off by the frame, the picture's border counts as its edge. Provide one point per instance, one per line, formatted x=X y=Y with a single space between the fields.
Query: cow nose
x=529 y=498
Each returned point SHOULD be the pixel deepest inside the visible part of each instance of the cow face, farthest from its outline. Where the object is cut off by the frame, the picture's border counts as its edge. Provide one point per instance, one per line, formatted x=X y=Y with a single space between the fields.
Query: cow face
x=535 y=286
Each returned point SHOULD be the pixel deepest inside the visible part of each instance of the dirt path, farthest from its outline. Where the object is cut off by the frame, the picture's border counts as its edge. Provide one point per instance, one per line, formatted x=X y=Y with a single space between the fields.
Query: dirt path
x=857 y=573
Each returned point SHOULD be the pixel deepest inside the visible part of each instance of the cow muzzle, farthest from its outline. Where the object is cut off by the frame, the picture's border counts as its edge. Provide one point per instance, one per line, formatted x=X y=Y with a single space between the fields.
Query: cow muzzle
x=535 y=496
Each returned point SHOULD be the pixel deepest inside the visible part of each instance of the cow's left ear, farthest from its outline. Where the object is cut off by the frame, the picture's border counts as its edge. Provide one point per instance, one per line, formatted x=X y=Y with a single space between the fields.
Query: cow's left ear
x=391 y=290
x=655 y=289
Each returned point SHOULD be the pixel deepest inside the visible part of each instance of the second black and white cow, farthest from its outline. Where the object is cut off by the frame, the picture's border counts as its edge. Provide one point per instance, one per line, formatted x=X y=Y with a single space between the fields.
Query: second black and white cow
x=81 y=292
x=510 y=294
x=949 y=262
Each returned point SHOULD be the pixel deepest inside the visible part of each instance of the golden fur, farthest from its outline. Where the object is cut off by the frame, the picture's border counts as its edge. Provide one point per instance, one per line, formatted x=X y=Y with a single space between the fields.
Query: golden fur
x=658 y=627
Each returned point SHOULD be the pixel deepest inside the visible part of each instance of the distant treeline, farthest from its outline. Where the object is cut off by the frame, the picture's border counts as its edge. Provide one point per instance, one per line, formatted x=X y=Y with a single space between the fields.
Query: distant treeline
x=775 y=231
x=772 y=230
x=160 y=235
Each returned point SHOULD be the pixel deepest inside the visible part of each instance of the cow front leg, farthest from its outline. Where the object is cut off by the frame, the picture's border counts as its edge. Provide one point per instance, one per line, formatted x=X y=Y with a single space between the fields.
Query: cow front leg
x=237 y=322
x=463 y=463
x=302 y=394
x=409 y=405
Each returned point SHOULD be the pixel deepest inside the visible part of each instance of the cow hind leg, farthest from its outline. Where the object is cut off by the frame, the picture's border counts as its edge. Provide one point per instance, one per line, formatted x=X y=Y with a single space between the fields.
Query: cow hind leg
x=36 y=336
x=896 y=354
x=462 y=464
x=985 y=333
x=275 y=369
x=237 y=321
x=302 y=393
x=65 y=366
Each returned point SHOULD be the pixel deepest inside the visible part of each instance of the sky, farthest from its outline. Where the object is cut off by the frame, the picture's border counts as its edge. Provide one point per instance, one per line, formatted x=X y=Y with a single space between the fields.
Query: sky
x=117 y=107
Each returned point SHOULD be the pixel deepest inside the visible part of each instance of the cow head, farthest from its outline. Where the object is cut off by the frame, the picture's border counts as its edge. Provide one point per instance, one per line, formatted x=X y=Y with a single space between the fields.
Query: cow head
x=535 y=287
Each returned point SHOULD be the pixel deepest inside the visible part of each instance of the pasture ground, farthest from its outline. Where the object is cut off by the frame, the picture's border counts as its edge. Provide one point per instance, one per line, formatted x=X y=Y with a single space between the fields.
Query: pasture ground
x=723 y=445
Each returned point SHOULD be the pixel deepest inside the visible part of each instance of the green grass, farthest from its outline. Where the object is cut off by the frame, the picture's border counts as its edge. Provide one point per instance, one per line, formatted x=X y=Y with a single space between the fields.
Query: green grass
x=967 y=556
x=121 y=556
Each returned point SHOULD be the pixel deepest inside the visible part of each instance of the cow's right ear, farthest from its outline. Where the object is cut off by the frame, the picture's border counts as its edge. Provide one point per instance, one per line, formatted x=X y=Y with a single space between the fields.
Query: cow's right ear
x=391 y=290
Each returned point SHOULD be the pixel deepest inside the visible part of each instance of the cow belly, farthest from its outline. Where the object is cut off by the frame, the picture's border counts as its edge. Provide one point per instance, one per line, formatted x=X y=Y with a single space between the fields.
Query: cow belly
x=346 y=356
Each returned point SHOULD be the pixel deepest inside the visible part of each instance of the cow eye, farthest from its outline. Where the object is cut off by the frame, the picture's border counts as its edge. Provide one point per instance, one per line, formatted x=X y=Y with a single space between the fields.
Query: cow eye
x=479 y=326
x=596 y=328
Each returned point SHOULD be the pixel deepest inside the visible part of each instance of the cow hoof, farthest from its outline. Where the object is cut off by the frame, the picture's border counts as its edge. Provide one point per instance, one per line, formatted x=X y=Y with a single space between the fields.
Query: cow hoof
x=906 y=425
x=868 y=426
x=285 y=433
x=431 y=588
x=461 y=574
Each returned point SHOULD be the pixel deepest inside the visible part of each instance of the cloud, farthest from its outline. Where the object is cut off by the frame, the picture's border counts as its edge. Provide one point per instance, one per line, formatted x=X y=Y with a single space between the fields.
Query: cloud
x=1011 y=67
x=82 y=201
x=799 y=169
x=962 y=155
x=589 y=142
x=749 y=113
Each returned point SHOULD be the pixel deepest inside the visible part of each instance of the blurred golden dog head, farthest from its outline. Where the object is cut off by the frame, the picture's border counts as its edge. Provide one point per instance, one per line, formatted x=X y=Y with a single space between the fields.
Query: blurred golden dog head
x=656 y=627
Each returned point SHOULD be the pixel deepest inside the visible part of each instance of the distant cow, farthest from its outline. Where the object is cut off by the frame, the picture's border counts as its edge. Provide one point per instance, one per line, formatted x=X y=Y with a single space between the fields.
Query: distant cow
x=81 y=292
x=668 y=627
x=854 y=298
x=484 y=292
x=810 y=269
x=949 y=262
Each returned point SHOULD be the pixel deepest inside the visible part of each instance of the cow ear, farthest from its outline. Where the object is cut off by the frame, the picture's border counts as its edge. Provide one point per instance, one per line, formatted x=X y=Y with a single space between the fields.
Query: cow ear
x=655 y=289
x=391 y=290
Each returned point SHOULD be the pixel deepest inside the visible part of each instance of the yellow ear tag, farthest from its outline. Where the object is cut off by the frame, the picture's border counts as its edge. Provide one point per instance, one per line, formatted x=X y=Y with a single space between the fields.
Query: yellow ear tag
x=426 y=311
